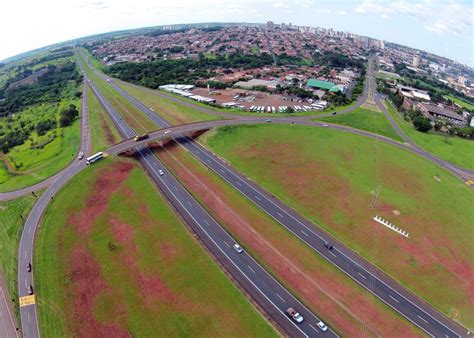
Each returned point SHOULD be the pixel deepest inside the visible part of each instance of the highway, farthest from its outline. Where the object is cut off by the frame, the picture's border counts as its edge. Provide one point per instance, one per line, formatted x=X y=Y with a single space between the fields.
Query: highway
x=355 y=267
x=255 y=280
x=28 y=314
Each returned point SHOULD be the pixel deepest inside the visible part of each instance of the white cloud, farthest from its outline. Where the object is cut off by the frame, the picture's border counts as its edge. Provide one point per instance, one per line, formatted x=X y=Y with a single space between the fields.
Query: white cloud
x=440 y=17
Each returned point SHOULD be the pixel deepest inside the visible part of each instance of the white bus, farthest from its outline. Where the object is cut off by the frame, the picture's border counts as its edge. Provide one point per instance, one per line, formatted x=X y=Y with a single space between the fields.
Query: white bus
x=94 y=158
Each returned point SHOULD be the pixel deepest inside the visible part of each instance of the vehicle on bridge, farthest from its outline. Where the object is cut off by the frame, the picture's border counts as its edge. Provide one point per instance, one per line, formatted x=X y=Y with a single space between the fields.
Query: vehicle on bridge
x=94 y=158
x=140 y=137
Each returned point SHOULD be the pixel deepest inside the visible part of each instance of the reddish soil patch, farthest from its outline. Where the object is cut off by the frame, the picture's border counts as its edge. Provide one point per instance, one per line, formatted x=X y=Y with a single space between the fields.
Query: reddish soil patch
x=347 y=307
x=87 y=284
x=152 y=290
x=108 y=133
x=105 y=185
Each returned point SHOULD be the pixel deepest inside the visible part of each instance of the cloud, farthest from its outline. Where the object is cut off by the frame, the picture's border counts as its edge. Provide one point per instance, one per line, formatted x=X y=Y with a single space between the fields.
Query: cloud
x=439 y=17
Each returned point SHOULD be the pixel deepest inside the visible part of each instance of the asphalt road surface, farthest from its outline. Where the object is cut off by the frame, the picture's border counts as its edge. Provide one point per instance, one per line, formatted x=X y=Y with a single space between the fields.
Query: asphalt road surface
x=255 y=280
x=28 y=314
x=362 y=272
x=7 y=317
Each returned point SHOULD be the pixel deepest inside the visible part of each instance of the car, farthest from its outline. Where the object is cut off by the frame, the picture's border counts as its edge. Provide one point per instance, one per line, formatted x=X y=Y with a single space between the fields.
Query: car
x=268 y=120
x=322 y=326
x=168 y=132
x=30 y=289
x=325 y=125
x=238 y=248
x=294 y=315
x=161 y=172
x=81 y=155
x=28 y=267
x=334 y=113
x=328 y=246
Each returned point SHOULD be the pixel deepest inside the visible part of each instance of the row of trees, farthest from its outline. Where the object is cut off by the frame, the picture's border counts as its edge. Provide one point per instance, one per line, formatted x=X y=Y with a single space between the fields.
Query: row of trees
x=156 y=73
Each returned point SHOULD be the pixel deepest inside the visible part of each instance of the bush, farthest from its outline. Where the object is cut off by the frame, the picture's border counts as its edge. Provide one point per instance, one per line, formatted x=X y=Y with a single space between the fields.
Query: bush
x=68 y=115
x=422 y=124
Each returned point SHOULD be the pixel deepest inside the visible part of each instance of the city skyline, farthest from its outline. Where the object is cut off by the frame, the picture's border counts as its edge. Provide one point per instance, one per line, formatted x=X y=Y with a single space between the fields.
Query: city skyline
x=442 y=28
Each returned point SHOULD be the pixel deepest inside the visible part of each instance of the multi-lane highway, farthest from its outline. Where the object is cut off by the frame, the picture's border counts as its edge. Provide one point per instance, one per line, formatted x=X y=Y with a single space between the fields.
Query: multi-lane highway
x=377 y=283
x=253 y=278
x=28 y=314
x=270 y=295
x=8 y=326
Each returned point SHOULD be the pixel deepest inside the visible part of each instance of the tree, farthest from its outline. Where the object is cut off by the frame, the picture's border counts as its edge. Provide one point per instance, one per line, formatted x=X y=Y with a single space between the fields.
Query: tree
x=422 y=124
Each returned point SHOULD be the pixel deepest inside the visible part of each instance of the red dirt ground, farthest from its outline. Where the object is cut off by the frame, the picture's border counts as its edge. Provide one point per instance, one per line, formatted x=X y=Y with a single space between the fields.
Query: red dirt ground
x=87 y=282
x=87 y=285
x=350 y=309
x=108 y=133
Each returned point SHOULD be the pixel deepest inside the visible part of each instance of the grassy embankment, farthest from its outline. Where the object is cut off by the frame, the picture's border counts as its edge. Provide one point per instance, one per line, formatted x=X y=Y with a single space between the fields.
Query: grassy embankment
x=455 y=150
x=105 y=269
x=354 y=179
x=12 y=216
x=365 y=119
x=328 y=292
x=103 y=131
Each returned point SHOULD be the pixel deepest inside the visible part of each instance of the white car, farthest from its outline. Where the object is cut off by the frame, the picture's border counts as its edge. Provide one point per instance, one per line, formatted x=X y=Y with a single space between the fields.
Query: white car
x=161 y=172
x=322 y=326
x=325 y=125
x=168 y=132
x=238 y=248
x=81 y=155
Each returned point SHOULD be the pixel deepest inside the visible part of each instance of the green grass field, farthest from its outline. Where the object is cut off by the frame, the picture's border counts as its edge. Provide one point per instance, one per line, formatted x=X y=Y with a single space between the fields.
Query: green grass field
x=32 y=165
x=465 y=104
x=103 y=131
x=337 y=299
x=106 y=270
x=452 y=149
x=365 y=119
x=340 y=181
x=12 y=215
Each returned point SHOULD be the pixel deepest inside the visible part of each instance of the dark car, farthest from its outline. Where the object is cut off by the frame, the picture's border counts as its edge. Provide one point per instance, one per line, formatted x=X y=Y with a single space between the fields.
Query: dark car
x=328 y=246
x=30 y=289
x=334 y=113
x=28 y=267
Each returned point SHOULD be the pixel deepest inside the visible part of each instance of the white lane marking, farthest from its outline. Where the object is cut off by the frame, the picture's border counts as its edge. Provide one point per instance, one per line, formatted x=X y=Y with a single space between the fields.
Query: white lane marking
x=189 y=203
x=304 y=233
x=233 y=263
x=332 y=253
x=276 y=293
x=205 y=221
x=423 y=319
x=311 y=326
x=361 y=275
x=239 y=184
x=251 y=268
x=28 y=314
x=175 y=188
x=278 y=213
x=226 y=244
x=25 y=254
x=394 y=298
x=258 y=198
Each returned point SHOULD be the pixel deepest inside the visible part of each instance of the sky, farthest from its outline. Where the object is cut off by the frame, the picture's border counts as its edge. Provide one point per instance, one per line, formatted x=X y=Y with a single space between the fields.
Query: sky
x=444 y=27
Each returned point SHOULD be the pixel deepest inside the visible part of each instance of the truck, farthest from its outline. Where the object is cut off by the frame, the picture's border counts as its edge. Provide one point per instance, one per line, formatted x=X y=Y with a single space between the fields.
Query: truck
x=94 y=158
x=140 y=137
